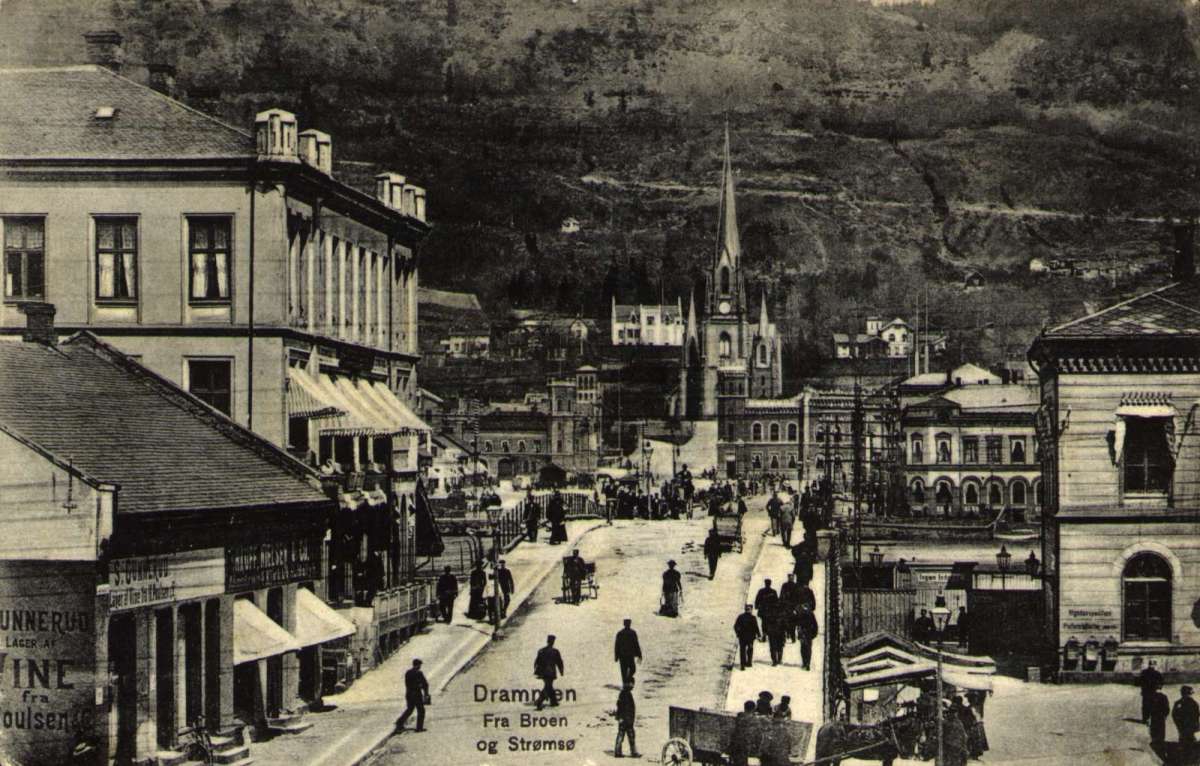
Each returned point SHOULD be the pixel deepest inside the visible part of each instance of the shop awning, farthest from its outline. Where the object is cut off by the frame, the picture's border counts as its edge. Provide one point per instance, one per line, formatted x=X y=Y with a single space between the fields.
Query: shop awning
x=304 y=397
x=316 y=623
x=397 y=409
x=359 y=420
x=256 y=636
x=429 y=539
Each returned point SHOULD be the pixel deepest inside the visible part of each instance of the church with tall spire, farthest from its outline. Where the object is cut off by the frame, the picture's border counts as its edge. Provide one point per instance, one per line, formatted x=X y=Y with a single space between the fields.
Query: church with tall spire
x=731 y=353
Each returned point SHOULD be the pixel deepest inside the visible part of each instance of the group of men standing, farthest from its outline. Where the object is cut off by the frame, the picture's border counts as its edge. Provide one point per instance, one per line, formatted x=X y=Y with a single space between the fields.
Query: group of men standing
x=787 y=615
x=1185 y=713
x=556 y=515
x=483 y=605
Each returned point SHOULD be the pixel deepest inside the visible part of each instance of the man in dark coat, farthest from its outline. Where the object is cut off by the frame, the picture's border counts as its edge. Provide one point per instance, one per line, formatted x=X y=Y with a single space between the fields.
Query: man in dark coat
x=626 y=715
x=789 y=605
x=807 y=627
x=475 y=609
x=802 y=555
x=447 y=592
x=774 y=506
x=712 y=551
x=672 y=590
x=1186 y=715
x=556 y=515
x=1160 y=708
x=575 y=570
x=744 y=736
x=627 y=651
x=745 y=627
x=775 y=626
x=1149 y=681
x=533 y=517
x=923 y=628
x=548 y=665
x=741 y=506
x=504 y=578
x=787 y=519
x=416 y=696
x=963 y=627
x=764 y=603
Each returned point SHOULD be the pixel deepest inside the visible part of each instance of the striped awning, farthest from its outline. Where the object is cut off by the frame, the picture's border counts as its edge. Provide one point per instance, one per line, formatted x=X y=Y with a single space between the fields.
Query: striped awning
x=304 y=399
x=393 y=404
x=358 y=420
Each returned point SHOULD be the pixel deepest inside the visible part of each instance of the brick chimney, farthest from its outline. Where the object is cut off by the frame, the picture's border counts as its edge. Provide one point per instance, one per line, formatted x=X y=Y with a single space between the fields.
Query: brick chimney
x=105 y=48
x=39 y=323
x=275 y=135
x=1184 y=267
x=162 y=77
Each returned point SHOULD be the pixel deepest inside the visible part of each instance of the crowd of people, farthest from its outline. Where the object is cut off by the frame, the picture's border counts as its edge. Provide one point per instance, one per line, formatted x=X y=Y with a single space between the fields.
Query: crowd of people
x=754 y=736
x=1156 y=706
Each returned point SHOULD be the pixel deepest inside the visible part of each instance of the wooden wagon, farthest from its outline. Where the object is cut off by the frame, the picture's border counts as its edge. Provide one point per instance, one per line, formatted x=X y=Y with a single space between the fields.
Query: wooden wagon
x=729 y=531
x=704 y=736
x=590 y=587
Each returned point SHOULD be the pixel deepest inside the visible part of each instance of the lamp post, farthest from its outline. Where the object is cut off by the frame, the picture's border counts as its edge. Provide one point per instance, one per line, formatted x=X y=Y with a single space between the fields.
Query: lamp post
x=876 y=557
x=1003 y=559
x=941 y=615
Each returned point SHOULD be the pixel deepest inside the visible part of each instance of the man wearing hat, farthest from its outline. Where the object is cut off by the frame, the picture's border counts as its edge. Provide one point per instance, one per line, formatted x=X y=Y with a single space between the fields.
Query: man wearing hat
x=627 y=651
x=626 y=714
x=672 y=590
x=784 y=709
x=745 y=627
x=416 y=696
x=548 y=665
x=1186 y=715
x=763 y=706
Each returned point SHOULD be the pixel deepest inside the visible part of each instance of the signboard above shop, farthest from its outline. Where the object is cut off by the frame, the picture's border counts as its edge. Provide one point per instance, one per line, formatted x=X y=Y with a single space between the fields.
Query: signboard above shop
x=252 y=566
x=142 y=581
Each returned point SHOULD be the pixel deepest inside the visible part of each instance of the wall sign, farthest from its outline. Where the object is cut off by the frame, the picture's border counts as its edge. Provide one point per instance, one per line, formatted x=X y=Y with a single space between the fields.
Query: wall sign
x=149 y=580
x=47 y=659
x=1091 y=620
x=265 y=565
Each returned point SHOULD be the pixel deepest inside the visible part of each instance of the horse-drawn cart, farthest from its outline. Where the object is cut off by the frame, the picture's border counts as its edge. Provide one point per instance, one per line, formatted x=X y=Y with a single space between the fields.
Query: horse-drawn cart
x=729 y=531
x=707 y=736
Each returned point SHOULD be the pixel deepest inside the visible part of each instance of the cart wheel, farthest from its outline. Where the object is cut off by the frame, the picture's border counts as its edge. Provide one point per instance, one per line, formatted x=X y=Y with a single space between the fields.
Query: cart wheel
x=677 y=751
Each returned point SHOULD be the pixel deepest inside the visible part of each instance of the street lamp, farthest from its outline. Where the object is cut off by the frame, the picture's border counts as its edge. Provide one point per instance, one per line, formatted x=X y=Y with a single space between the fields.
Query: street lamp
x=941 y=615
x=876 y=557
x=1003 y=559
x=1032 y=565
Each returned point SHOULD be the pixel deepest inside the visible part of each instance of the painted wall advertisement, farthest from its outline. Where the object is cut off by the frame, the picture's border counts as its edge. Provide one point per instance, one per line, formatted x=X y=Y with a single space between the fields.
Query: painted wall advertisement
x=47 y=659
x=150 y=580
x=265 y=565
x=1090 y=620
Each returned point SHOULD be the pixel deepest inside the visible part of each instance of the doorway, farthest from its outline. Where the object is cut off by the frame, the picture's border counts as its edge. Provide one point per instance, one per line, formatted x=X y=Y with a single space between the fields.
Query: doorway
x=164 y=677
x=212 y=664
x=122 y=653
x=731 y=468
x=193 y=664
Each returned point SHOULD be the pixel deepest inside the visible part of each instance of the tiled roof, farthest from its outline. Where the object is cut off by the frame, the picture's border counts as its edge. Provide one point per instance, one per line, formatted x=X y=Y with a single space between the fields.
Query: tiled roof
x=51 y=113
x=1170 y=310
x=1009 y=398
x=102 y=414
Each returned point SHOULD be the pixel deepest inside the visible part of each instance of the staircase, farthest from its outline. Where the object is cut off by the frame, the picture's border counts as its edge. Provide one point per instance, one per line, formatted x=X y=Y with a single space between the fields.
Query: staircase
x=288 y=723
x=229 y=749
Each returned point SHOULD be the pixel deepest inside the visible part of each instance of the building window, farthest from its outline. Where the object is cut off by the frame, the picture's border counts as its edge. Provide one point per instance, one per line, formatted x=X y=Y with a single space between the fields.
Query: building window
x=1146 y=591
x=756 y=432
x=520 y=446
x=774 y=432
x=649 y=321
x=774 y=462
x=1147 y=456
x=537 y=447
x=24 y=258
x=762 y=356
x=487 y=446
x=1016 y=450
x=725 y=280
x=995 y=450
x=504 y=446
x=726 y=345
x=970 y=446
x=792 y=460
x=756 y=461
x=995 y=496
x=971 y=495
x=918 y=492
x=209 y=380
x=837 y=435
x=943 y=448
x=793 y=432
x=1018 y=493
x=116 y=259
x=917 y=451
x=209 y=258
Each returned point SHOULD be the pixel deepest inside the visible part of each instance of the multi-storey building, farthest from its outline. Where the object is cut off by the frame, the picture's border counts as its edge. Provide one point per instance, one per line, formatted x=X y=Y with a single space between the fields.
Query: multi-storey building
x=233 y=263
x=646 y=325
x=831 y=441
x=973 y=449
x=1120 y=392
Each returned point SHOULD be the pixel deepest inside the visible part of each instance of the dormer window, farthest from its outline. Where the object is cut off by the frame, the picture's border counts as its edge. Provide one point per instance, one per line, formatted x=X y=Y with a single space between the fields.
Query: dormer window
x=106 y=112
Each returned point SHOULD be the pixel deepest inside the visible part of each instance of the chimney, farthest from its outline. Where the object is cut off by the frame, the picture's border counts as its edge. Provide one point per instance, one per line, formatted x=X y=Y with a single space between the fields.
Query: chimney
x=162 y=78
x=39 y=323
x=311 y=143
x=105 y=48
x=397 y=186
x=1184 y=268
x=419 y=203
x=275 y=135
x=389 y=189
x=410 y=201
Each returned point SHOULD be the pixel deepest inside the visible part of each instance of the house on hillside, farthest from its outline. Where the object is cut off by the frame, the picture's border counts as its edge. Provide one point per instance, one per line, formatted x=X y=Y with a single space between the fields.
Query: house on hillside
x=453 y=324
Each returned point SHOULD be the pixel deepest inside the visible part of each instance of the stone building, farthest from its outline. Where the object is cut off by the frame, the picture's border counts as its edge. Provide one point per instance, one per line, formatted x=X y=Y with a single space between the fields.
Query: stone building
x=646 y=325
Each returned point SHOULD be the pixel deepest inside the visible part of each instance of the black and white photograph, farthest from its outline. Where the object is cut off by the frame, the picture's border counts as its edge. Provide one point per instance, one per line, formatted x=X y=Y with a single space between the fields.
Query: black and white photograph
x=552 y=382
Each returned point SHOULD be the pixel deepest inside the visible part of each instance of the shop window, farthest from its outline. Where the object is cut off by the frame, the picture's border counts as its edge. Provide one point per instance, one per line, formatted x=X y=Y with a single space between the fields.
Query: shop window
x=1017 y=451
x=210 y=380
x=1147 y=455
x=1146 y=593
x=24 y=258
x=774 y=432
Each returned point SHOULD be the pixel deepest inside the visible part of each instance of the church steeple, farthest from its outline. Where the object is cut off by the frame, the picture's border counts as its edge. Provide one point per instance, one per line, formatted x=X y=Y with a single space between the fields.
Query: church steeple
x=727 y=290
x=691 y=330
x=762 y=317
x=728 y=241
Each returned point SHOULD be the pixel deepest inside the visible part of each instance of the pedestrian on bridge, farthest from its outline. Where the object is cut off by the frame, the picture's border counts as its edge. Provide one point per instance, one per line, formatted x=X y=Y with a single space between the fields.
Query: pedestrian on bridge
x=764 y=603
x=476 y=608
x=672 y=590
x=626 y=715
x=745 y=627
x=533 y=517
x=807 y=627
x=447 y=593
x=504 y=578
x=548 y=665
x=712 y=551
x=774 y=507
x=416 y=696
x=627 y=651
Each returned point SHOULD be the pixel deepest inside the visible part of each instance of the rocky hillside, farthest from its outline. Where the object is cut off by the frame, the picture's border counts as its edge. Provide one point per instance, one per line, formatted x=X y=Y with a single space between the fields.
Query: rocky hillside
x=882 y=153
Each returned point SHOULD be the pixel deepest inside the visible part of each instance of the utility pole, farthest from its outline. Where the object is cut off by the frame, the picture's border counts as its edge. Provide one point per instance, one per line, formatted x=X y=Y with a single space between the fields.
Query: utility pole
x=856 y=429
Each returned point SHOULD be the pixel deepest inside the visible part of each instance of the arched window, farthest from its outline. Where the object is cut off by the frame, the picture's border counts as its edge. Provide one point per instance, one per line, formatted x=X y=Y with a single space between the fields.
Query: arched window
x=995 y=495
x=1038 y=496
x=725 y=280
x=945 y=493
x=1146 y=597
x=1017 y=492
x=793 y=432
x=774 y=462
x=756 y=461
x=504 y=446
x=762 y=355
x=917 y=451
x=726 y=345
x=971 y=495
x=756 y=432
x=1017 y=452
x=525 y=466
x=487 y=446
x=521 y=446
x=918 y=491
x=791 y=461
x=820 y=464
x=774 y=432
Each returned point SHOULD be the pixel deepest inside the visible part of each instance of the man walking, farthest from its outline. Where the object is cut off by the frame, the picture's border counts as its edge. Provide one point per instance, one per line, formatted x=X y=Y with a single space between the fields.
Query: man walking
x=672 y=590
x=533 y=517
x=475 y=609
x=807 y=627
x=787 y=518
x=504 y=578
x=745 y=627
x=764 y=603
x=775 y=626
x=963 y=627
x=1160 y=708
x=626 y=713
x=712 y=551
x=1186 y=715
x=416 y=696
x=773 y=508
x=789 y=605
x=575 y=570
x=627 y=652
x=447 y=592
x=548 y=665
x=1150 y=681
x=802 y=555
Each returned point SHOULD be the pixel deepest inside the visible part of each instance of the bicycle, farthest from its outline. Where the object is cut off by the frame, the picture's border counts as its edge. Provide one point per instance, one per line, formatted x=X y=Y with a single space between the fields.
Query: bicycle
x=197 y=743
